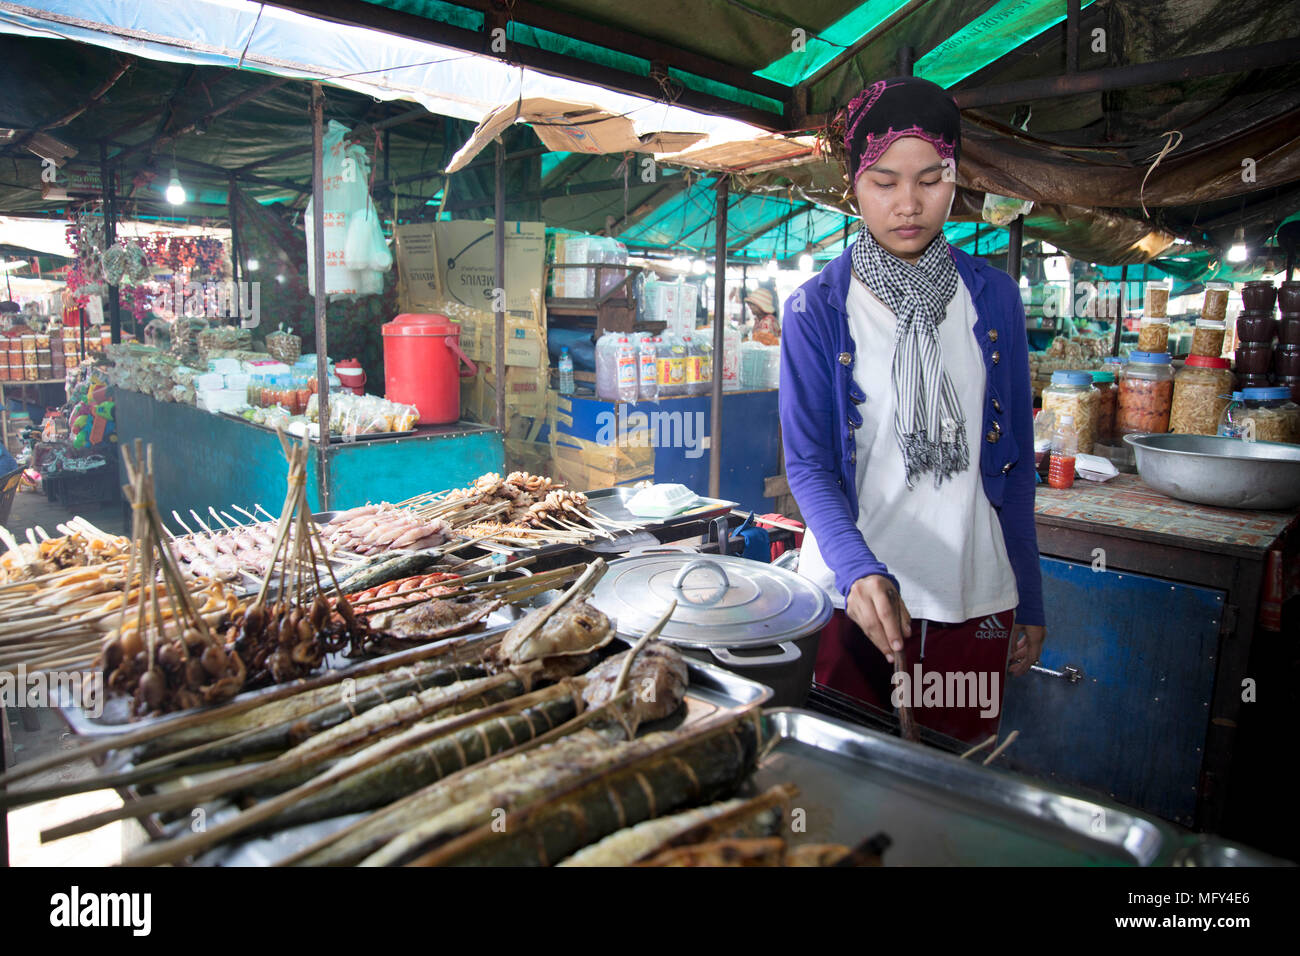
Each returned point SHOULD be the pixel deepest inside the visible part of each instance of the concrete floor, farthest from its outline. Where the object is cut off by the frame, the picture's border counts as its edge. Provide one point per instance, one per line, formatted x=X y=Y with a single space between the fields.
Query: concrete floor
x=32 y=509
x=35 y=732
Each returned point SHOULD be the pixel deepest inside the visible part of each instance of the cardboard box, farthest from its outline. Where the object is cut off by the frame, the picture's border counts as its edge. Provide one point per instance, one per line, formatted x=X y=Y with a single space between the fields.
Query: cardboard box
x=525 y=393
x=525 y=339
x=570 y=126
x=417 y=268
x=441 y=263
x=587 y=466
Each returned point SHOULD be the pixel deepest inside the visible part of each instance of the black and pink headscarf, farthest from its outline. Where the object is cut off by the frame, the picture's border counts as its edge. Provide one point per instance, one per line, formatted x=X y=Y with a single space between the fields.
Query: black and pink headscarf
x=902 y=106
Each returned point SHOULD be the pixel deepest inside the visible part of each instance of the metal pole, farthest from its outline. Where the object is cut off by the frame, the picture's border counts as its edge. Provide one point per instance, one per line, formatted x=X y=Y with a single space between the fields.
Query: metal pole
x=234 y=238
x=1072 y=36
x=719 y=339
x=318 y=267
x=906 y=57
x=1119 y=318
x=1014 y=241
x=110 y=237
x=499 y=331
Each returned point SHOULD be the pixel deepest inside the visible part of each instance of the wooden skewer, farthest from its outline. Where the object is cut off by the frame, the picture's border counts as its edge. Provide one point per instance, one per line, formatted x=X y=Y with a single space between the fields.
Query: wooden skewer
x=247 y=514
x=563 y=730
x=1001 y=747
x=141 y=735
x=978 y=747
x=181 y=847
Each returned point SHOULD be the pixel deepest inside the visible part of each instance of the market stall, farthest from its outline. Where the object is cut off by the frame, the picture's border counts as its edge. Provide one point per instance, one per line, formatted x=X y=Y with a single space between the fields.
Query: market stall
x=218 y=458
x=1158 y=606
x=531 y=715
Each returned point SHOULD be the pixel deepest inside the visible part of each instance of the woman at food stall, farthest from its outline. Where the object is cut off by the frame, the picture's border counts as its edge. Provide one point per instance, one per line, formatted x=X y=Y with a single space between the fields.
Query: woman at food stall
x=906 y=409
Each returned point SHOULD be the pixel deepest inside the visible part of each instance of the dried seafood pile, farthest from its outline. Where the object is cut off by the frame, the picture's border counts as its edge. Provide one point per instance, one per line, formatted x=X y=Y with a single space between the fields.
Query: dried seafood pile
x=433 y=745
x=371 y=529
x=520 y=510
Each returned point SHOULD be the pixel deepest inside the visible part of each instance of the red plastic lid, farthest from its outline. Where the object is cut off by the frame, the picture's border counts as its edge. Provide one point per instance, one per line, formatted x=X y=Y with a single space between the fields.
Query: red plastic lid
x=420 y=323
x=1206 y=361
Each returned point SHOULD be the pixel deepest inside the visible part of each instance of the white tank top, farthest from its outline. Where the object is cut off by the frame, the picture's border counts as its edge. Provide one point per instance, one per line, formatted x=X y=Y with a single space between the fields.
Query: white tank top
x=944 y=545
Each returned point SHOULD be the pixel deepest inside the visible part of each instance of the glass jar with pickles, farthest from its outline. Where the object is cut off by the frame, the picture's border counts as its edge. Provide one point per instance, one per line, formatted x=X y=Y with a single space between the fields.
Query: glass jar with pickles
x=1107 y=399
x=1202 y=390
x=1146 y=392
x=1153 y=334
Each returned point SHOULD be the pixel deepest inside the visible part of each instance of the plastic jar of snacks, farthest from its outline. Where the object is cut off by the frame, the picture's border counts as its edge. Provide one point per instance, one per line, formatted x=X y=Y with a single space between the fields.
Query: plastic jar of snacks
x=1207 y=337
x=1146 y=391
x=1153 y=335
x=1107 y=399
x=1216 y=301
x=1263 y=414
x=1202 y=390
x=1071 y=393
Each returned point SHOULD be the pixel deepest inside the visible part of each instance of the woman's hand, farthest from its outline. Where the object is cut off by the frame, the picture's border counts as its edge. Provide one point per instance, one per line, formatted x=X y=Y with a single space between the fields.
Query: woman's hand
x=875 y=605
x=1026 y=645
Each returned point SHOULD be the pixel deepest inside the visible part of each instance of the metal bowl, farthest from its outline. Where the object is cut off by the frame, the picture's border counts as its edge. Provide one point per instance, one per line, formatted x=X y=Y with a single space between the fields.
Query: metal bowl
x=1226 y=472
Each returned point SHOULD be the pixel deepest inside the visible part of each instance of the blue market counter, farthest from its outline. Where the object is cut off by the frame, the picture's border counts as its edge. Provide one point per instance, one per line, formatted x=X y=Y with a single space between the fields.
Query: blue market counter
x=203 y=460
x=672 y=437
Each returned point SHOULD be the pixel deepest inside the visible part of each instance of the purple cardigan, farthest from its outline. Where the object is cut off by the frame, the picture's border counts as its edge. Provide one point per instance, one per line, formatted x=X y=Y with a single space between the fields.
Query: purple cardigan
x=819 y=399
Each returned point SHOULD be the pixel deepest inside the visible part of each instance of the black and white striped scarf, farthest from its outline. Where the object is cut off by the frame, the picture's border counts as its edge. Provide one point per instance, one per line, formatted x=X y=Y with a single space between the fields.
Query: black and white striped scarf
x=928 y=420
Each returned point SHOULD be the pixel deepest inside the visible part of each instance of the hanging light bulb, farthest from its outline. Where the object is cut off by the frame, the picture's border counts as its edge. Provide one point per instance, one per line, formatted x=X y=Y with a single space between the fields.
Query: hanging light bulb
x=252 y=265
x=772 y=267
x=1237 y=251
x=806 y=262
x=698 y=267
x=175 y=191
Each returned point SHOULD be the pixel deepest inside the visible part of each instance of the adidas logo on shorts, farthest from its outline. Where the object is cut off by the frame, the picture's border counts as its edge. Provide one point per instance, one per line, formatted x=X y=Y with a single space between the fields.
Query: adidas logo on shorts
x=990 y=629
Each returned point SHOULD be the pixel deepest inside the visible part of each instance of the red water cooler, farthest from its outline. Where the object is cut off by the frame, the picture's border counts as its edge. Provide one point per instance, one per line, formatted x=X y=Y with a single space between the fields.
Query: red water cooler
x=423 y=366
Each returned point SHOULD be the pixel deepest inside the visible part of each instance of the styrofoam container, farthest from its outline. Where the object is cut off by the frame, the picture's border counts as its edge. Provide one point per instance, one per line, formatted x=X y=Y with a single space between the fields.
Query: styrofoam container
x=662 y=501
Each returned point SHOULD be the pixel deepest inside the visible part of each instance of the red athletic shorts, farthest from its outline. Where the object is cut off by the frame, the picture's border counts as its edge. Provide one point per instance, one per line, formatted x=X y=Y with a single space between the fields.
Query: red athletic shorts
x=970 y=660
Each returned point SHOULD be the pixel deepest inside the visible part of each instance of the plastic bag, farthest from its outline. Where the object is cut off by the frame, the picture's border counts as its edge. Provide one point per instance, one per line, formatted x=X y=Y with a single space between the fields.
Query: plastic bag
x=365 y=247
x=283 y=346
x=355 y=250
x=1002 y=210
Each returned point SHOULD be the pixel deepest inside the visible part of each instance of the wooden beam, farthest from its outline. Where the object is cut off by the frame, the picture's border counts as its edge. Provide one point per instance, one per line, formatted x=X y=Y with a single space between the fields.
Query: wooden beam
x=66 y=118
x=1262 y=56
x=248 y=95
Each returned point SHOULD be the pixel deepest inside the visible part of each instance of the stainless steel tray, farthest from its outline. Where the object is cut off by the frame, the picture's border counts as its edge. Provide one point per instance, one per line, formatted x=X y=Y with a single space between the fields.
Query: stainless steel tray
x=612 y=503
x=940 y=810
x=711 y=690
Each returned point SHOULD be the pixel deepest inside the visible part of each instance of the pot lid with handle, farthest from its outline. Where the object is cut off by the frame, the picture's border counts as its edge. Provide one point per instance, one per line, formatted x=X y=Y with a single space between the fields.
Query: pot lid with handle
x=722 y=601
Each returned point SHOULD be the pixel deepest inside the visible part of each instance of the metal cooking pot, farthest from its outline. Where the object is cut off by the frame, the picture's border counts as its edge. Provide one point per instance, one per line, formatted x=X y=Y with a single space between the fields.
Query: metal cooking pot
x=757 y=620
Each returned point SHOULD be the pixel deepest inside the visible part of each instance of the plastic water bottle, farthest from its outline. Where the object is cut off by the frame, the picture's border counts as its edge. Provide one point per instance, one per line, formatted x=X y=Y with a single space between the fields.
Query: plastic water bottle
x=1060 y=472
x=566 y=371
x=649 y=377
x=628 y=373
